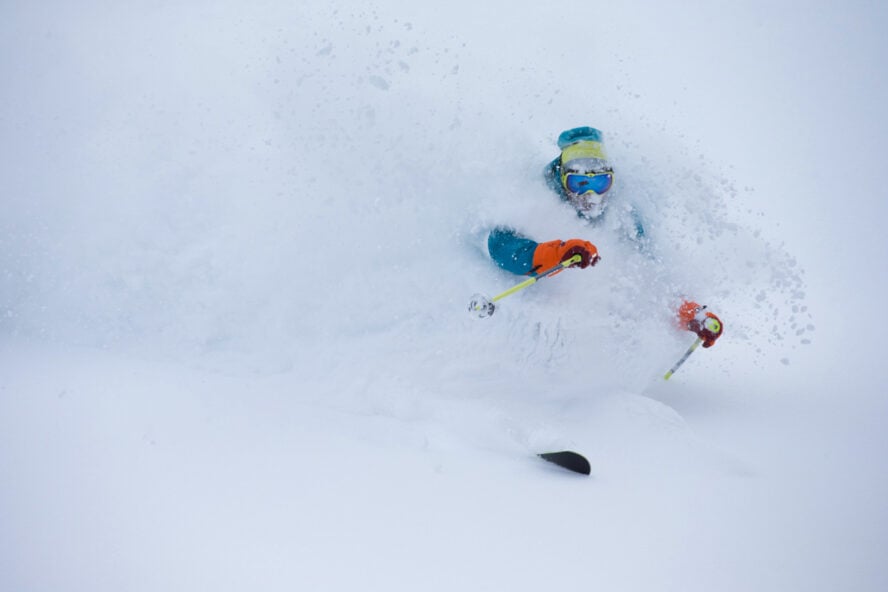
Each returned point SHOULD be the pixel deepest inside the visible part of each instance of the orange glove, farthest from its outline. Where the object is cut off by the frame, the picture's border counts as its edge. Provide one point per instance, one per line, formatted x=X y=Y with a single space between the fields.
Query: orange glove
x=695 y=319
x=550 y=254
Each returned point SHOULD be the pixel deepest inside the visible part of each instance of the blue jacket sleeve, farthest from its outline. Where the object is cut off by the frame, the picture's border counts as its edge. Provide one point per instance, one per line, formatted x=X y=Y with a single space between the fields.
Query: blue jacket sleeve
x=510 y=250
x=637 y=231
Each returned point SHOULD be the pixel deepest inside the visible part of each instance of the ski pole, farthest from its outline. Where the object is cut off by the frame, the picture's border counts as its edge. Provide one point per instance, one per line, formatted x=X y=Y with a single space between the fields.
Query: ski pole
x=681 y=361
x=483 y=306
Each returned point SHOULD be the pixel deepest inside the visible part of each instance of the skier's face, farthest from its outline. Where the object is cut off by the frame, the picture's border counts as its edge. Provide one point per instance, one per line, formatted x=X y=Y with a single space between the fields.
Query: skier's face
x=587 y=191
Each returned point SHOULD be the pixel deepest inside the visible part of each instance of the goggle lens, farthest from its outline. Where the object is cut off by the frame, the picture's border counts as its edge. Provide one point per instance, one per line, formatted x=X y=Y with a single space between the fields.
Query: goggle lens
x=579 y=184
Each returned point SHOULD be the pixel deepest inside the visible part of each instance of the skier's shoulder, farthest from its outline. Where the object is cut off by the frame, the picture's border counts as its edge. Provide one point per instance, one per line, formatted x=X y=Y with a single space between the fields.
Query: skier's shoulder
x=552 y=175
x=552 y=172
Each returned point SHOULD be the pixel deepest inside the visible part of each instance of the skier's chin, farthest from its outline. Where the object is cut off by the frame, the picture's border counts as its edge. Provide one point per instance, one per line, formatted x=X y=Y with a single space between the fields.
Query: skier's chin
x=589 y=208
x=591 y=211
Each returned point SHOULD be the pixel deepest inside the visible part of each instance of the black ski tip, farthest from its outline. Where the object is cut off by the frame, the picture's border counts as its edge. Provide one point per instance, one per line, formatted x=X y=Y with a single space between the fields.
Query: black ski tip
x=572 y=461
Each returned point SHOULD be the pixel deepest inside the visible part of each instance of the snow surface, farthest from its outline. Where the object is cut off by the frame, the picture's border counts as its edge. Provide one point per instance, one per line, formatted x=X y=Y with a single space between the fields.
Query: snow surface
x=236 y=247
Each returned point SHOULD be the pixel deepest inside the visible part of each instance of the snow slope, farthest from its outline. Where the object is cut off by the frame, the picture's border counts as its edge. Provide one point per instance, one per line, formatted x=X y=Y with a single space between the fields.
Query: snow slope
x=237 y=247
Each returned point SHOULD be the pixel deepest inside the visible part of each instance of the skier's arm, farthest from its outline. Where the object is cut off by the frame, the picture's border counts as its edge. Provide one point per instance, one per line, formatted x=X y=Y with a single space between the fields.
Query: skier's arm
x=691 y=316
x=511 y=250
x=633 y=227
x=521 y=255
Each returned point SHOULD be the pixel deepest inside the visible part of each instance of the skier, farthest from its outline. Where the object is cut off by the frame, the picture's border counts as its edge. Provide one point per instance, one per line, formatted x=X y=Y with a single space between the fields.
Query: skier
x=582 y=176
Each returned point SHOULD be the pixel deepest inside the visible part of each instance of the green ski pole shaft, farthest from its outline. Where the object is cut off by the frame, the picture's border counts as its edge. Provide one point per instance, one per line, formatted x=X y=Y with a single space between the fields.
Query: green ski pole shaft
x=681 y=361
x=481 y=306
x=531 y=281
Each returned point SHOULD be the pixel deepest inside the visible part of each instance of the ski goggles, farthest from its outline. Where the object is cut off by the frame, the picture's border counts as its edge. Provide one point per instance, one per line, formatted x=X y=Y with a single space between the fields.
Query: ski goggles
x=578 y=183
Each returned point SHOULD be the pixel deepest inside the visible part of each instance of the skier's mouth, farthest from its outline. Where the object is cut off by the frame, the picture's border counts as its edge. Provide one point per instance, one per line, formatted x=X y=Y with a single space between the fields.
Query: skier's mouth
x=590 y=204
